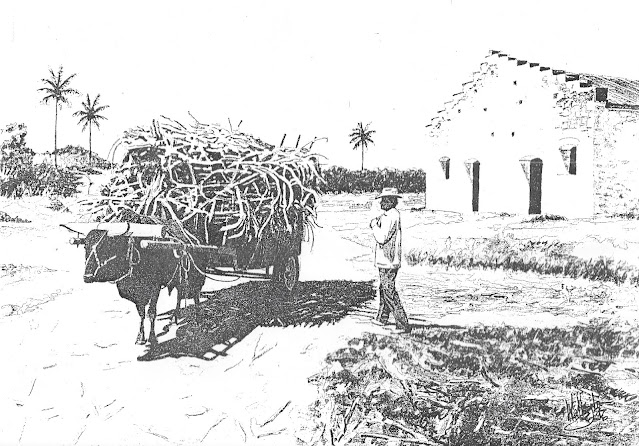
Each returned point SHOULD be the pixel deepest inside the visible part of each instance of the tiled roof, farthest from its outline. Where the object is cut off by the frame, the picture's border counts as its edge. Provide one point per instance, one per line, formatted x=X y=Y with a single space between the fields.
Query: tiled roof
x=620 y=91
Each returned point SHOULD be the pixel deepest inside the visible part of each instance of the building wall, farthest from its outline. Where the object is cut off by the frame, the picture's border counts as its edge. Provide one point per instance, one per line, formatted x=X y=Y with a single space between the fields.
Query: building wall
x=509 y=112
x=617 y=163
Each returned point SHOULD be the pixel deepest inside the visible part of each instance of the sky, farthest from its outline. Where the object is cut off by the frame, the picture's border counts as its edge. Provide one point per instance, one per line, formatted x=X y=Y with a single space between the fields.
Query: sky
x=305 y=68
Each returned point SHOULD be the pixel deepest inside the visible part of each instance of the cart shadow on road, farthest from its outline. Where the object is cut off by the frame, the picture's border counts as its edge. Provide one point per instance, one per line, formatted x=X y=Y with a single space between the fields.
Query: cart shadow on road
x=225 y=317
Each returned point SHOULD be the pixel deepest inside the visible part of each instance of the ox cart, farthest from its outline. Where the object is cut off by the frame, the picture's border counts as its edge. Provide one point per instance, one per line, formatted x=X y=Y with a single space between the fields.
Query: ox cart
x=274 y=257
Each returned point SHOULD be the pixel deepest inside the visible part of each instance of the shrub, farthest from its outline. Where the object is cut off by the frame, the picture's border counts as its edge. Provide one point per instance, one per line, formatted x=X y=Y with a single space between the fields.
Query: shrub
x=40 y=179
x=20 y=176
x=14 y=148
x=6 y=218
x=629 y=215
x=78 y=157
x=545 y=217
x=57 y=205
x=15 y=156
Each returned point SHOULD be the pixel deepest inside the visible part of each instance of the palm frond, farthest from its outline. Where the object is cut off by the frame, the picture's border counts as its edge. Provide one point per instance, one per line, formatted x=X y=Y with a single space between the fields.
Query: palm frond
x=50 y=83
x=97 y=122
x=66 y=82
x=68 y=91
x=48 y=97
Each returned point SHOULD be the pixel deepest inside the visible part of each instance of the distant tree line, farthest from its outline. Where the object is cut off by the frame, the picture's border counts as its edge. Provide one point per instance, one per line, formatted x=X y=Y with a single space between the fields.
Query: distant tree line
x=342 y=180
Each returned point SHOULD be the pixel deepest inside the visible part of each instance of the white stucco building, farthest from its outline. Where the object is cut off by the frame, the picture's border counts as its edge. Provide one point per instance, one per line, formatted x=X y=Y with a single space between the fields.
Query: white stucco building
x=525 y=138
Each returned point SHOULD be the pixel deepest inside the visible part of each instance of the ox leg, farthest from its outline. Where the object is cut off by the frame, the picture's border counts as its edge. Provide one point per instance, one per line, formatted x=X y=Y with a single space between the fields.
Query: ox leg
x=152 y=314
x=183 y=294
x=141 y=340
x=195 y=294
x=176 y=313
x=191 y=292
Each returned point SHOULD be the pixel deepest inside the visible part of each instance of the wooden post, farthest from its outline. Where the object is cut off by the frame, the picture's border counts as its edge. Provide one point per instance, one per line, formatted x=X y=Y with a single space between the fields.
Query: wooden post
x=298 y=141
x=283 y=138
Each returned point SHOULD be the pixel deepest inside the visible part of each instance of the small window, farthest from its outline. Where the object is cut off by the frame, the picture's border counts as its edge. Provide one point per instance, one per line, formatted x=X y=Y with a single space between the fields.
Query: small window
x=514 y=82
x=512 y=134
x=485 y=109
x=521 y=102
x=445 y=163
x=492 y=134
x=459 y=111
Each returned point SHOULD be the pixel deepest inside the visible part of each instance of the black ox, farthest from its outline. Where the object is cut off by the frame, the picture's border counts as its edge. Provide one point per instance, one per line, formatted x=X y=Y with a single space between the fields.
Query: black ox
x=140 y=274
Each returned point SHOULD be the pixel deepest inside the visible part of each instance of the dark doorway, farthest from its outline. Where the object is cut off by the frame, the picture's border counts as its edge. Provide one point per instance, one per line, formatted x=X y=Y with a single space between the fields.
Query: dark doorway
x=572 y=167
x=534 y=203
x=475 y=167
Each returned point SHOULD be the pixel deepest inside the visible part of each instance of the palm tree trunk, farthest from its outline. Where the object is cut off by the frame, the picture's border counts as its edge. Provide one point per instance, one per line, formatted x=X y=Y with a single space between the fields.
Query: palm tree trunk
x=89 y=144
x=362 y=158
x=55 y=137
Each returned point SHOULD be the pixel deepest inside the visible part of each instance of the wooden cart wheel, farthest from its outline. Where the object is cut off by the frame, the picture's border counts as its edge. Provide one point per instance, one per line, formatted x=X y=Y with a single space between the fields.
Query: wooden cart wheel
x=287 y=273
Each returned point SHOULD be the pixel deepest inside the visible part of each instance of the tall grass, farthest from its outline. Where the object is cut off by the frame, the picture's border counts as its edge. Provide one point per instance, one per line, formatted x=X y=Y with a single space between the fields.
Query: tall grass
x=341 y=180
x=542 y=257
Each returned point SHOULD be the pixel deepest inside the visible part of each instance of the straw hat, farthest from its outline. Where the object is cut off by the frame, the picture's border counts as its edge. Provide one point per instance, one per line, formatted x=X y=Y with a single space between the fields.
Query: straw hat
x=389 y=192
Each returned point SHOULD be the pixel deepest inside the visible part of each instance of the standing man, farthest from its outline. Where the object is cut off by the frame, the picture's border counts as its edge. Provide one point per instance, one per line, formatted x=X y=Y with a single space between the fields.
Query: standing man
x=387 y=229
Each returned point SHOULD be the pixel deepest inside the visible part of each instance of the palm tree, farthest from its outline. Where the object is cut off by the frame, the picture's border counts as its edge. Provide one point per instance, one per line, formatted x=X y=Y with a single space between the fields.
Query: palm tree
x=57 y=89
x=89 y=116
x=361 y=137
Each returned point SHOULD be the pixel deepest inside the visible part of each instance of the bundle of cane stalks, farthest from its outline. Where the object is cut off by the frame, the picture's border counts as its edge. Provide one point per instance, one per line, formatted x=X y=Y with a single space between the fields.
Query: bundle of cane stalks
x=220 y=185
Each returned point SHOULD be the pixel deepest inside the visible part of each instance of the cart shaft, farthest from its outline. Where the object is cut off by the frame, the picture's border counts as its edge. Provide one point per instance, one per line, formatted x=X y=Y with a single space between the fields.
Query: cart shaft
x=159 y=244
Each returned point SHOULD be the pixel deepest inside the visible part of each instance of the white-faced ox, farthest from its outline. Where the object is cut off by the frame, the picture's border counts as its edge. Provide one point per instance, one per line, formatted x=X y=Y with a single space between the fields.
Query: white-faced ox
x=140 y=274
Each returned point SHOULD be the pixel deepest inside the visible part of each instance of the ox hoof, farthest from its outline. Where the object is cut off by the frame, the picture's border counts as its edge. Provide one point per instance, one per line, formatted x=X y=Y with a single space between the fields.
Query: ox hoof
x=140 y=340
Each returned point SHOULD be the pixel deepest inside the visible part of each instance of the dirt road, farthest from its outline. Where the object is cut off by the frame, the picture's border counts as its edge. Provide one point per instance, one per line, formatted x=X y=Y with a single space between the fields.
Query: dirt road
x=71 y=370
x=72 y=374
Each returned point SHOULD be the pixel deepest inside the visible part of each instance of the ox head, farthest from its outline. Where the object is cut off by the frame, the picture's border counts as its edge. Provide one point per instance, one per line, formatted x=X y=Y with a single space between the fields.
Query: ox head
x=106 y=258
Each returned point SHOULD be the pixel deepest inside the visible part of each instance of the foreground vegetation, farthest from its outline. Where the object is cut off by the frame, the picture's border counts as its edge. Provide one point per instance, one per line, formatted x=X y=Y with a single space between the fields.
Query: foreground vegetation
x=481 y=386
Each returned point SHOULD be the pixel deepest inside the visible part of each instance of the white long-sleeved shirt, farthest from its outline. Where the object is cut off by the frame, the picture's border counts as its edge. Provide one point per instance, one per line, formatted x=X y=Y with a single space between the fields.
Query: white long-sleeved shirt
x=387 y=230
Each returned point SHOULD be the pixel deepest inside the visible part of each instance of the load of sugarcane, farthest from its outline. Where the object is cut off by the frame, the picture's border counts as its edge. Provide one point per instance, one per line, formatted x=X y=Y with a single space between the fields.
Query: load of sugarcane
x=219 y=185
